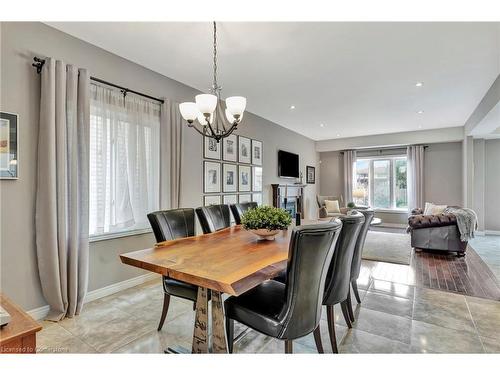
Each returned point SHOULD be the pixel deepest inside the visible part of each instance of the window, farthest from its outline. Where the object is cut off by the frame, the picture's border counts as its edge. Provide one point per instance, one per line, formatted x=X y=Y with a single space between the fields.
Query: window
x=381 y=183
x=124 y=161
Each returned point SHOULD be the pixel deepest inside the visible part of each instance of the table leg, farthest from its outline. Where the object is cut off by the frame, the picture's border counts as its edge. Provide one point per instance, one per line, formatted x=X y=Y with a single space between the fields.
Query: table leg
x=219 y=340
x=200 y=334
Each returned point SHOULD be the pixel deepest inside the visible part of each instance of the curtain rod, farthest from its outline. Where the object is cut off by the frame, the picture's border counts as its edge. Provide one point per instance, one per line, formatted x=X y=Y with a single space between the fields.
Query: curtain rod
x=368 y=149
x=38 y=64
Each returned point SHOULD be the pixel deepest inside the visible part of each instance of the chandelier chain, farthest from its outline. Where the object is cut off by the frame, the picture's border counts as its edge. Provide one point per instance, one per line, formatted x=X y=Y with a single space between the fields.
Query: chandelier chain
x=215 y=84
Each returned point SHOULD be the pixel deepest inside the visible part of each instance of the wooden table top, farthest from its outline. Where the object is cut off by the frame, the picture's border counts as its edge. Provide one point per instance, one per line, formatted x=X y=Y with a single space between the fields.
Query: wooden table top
x=232 y=260
x=21 y=324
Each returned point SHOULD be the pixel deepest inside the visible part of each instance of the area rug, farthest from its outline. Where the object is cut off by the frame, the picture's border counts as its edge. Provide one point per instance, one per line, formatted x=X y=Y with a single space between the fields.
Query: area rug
x=387 y=247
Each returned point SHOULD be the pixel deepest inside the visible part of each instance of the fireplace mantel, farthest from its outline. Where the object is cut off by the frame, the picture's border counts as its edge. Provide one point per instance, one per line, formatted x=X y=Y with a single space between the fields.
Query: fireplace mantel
x=292 y=192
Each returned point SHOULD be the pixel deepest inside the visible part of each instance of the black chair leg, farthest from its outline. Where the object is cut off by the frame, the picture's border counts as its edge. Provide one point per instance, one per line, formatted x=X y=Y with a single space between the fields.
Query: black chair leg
x=345 y=312
x=166 y=303
x=349 y=307
x=355 y=290
x=317 y=340
x=230 y=334
x=331 y=327
x=288 y=346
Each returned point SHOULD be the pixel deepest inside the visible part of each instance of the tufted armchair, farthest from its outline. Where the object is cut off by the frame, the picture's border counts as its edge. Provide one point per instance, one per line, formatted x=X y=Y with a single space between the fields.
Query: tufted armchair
x=435 y=232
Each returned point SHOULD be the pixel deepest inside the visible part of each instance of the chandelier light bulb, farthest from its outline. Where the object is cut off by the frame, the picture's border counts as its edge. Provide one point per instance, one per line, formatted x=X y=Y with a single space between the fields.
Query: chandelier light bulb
x=203 y=121
x=189 y=111
x=206 y=103
x=236 y=105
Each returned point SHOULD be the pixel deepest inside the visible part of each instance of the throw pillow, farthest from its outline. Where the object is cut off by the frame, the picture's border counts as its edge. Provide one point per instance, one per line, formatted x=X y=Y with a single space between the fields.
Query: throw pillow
x=332 y=206
x=434 y=209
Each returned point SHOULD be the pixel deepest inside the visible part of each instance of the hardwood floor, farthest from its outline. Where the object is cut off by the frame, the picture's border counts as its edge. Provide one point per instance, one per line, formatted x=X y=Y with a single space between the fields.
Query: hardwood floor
x=467 y=275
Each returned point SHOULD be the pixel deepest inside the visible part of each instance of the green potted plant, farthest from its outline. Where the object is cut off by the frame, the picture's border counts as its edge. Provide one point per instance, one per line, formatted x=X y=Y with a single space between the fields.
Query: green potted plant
x=266 y=221
x=351 y=205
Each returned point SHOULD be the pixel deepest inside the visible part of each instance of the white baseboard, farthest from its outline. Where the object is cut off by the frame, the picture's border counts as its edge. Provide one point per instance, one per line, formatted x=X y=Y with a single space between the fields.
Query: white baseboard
x=41 y=312
x=479 y=233
x=492 y=232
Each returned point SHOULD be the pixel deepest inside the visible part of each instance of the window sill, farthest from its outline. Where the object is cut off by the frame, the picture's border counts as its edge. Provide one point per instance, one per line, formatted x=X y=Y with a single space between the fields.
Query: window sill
x=390 y=211
x=111 y=236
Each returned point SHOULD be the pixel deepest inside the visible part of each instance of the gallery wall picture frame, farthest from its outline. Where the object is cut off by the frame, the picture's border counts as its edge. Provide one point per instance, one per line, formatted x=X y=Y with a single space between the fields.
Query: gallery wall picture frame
x=211 y=148
x=230 y=199
x=257 y=197
x=256 y=178
x=229 y=178
x=211 y=177
x=244 y=198
x=210 y=200
x=244 y=178
x=244 y=150
x=9 y=146
x=310 y=174
x=257 y=152
x=230 y=148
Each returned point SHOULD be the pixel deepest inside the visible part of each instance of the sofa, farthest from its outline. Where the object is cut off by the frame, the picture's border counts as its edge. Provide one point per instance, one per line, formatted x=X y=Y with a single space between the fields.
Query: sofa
x=435 y=232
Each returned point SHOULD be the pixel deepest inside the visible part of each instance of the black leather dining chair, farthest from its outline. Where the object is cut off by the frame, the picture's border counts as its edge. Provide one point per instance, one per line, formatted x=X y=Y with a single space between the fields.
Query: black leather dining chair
x=214 y=218
x=240 y=208
x=339 y=274
x=356 y=259
x=169 y=225
x=291 y=310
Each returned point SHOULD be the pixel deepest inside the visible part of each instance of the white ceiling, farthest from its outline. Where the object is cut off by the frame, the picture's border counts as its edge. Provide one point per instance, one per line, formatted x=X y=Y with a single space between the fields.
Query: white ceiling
x=355 y=78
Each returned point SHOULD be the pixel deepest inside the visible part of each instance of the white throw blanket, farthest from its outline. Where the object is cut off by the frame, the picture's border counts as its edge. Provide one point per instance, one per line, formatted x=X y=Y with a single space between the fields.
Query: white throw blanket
x=466 y=221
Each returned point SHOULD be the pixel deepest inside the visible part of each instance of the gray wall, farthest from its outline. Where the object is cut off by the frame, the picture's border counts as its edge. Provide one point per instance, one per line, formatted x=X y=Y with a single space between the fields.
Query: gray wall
x=443 y=173
x=19 y=90
x=492 y=185
x=443 y=176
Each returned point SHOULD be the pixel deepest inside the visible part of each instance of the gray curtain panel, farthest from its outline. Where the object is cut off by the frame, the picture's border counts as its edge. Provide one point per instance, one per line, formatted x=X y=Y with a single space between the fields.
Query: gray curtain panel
x=62 y=204
x=415 y=177
x=349 y=160
x=171 y=128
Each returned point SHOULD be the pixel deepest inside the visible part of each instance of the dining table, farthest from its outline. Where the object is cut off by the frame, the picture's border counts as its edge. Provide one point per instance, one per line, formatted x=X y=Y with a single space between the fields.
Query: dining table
x=230 y=261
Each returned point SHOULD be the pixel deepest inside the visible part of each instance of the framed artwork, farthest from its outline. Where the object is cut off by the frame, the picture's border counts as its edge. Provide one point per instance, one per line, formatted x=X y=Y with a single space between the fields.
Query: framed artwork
x=310 y=175
x=256 y=178
x=211 y=177
x=230 y=199
x=229 y=178
x=210 y=200
x=9 y=146
x=256 y=152
x=244 y=198
x=244 y=178
x=257 y=197
x=244 y=150
x=230 y=148
x=211 y=148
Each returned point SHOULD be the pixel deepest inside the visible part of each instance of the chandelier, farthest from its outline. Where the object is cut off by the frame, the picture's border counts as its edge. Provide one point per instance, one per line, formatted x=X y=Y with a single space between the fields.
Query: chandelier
x=210 y=121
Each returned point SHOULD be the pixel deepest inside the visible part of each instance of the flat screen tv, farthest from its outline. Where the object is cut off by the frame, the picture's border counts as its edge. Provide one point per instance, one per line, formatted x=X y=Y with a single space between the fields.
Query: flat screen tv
x=288 y=164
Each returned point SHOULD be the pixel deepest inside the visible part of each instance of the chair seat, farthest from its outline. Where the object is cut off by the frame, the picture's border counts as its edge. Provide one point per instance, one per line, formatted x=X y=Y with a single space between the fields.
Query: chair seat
x=281 y=277
x=181 y=289
x=259 y=308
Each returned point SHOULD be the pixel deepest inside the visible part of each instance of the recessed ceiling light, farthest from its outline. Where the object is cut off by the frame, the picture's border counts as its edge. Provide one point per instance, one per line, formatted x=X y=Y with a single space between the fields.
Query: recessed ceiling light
x=420 y=112
x=338 y=135
x=292 y=107
x=321 y=125
x=420 y=126
x=419 y=84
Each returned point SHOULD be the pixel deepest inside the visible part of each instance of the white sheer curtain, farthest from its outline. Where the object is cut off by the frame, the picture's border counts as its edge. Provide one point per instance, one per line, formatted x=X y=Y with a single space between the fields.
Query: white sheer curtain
x=349 y=172
x=124 y=160
x=415 y=176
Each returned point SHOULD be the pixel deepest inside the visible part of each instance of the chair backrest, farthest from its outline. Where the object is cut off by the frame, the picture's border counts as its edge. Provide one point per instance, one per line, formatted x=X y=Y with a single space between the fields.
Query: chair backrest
x=213 y=218
x=240 y=208
x=339 y=273
x=360 y=243
x=320 y=199
x=310 y=253
x=172 y=224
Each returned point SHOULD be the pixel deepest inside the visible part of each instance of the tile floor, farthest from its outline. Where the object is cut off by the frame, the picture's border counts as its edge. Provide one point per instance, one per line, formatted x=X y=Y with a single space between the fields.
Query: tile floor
x=394 y=317
x=488 y=248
